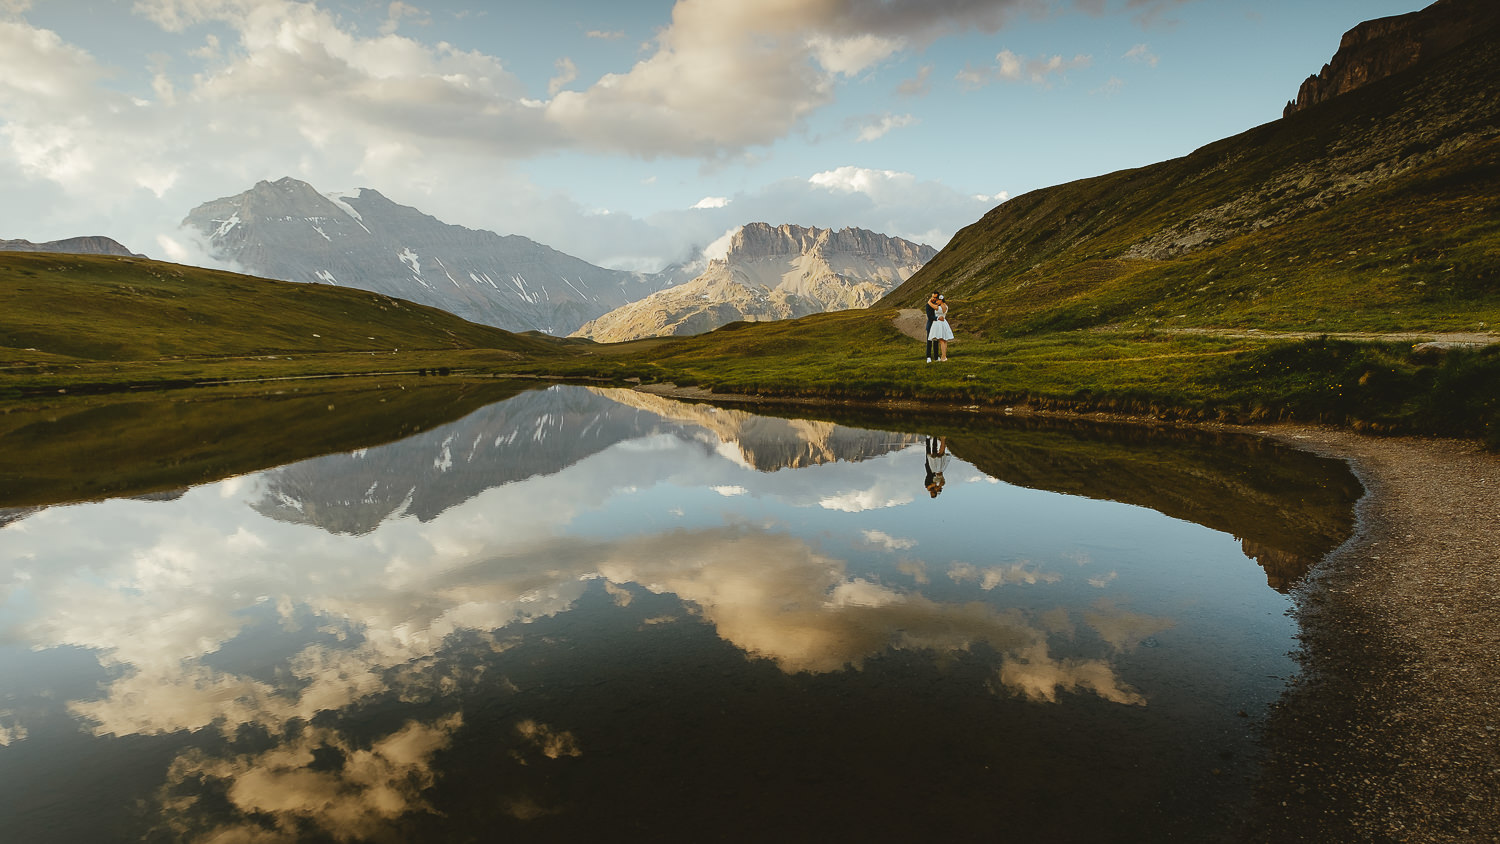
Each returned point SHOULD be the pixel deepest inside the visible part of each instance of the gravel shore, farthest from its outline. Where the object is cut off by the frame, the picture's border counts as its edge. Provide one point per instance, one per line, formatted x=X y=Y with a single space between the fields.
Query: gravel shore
x=1392 y=732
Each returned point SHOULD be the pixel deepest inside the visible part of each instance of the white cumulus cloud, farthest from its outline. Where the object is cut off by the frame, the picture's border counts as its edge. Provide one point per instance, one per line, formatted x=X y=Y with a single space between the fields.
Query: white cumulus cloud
x=882 y=126
x=566 y=73
x=1142 y=53
x=1010 y=67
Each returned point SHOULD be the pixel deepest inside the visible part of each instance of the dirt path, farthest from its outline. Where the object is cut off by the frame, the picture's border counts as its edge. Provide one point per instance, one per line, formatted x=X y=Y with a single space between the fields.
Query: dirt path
x=1438 y=338
x=911 y=322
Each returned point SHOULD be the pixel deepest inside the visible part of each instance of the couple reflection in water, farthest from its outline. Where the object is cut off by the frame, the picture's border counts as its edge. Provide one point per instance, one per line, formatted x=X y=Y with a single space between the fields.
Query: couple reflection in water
x=937 y=461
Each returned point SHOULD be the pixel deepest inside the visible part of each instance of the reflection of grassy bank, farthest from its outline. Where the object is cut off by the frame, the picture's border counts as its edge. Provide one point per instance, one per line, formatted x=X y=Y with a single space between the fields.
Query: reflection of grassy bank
x=74 y=448
x=1289 y=507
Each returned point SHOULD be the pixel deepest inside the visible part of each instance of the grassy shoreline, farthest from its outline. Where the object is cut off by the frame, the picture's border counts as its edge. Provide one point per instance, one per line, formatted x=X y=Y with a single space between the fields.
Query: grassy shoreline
x=1368 y=386
x=93 y=325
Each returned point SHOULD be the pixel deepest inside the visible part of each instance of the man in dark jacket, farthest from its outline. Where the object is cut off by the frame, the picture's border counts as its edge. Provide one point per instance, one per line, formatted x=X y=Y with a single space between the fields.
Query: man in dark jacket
x=927 y=332
x=932 y=317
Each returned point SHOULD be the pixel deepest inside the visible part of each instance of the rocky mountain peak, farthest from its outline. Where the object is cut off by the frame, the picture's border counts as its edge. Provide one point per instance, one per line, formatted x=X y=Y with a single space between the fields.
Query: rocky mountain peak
x=1378 y=48
x=283 y=197
x=286 y=184
x=756 y=241
x=769 y=273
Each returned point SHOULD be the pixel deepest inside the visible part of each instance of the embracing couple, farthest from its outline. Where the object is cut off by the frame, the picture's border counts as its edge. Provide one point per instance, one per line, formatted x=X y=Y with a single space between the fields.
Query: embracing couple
x=938 y=331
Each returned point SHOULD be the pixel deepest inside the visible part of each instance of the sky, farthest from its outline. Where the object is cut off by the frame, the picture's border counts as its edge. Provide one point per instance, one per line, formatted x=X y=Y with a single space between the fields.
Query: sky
x=629 y=133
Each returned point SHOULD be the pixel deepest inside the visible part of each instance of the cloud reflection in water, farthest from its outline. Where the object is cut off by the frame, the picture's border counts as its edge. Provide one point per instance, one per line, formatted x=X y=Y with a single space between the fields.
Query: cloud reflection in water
x=174 y=586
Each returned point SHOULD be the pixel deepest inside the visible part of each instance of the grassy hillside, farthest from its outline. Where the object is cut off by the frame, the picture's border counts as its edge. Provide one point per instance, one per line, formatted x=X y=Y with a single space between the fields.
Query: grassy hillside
x=1376 y=211
x=103 y=308
x=77 y=322
x=860 y=356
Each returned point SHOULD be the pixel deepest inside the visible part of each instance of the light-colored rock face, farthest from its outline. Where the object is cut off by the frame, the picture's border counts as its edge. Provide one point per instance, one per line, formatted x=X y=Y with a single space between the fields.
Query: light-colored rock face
x=88 y=245
x=288 y=230
x=771 y=273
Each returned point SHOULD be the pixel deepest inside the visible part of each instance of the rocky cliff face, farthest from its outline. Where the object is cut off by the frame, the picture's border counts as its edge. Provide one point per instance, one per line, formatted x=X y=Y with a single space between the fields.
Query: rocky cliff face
x=87 y=245
x=1379 y=48
x=757 y=241
x=770 y=273
x=288 y=230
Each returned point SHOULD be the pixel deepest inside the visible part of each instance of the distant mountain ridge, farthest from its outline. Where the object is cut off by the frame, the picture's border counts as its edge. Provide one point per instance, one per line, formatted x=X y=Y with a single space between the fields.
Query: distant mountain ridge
x=770 y=273
x=288 y=230
x=86 y=245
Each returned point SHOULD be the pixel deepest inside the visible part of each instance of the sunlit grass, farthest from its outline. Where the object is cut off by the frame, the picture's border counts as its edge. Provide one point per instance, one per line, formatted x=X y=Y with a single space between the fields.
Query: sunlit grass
x=107 y=308
x=859 y=356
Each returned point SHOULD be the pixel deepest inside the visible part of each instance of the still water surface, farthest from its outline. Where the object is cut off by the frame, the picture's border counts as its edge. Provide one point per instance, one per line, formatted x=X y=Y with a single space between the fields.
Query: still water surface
x=586 y=613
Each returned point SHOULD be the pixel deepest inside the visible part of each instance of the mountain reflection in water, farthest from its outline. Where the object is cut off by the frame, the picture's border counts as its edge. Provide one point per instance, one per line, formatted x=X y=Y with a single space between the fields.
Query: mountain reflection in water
x=594 y=612
x=538 y=433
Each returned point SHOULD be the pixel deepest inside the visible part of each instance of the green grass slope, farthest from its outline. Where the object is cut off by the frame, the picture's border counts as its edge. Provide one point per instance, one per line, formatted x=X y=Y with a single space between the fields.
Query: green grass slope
x=56 y=308
x=860 y=356
x=1376 y=211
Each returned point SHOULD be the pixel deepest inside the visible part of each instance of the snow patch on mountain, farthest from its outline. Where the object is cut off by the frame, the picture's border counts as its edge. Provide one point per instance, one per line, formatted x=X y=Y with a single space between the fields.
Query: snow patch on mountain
x=227 y=226
x=411 y=259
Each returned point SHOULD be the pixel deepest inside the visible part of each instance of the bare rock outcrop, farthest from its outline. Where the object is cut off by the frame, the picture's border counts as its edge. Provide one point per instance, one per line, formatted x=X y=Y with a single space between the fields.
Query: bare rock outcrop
x=1379 y=48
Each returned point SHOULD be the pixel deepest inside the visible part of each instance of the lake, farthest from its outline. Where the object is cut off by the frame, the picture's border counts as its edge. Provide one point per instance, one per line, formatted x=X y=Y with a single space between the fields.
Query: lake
x=580 y=614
